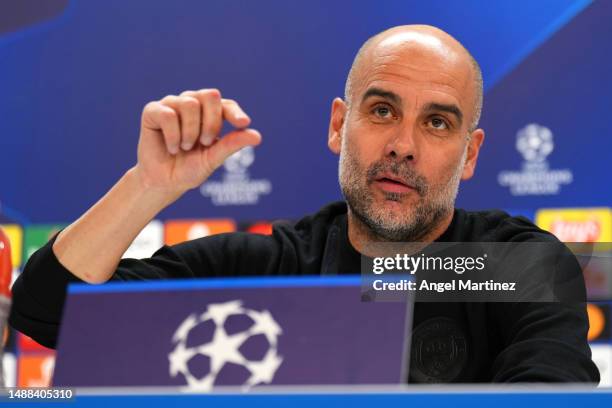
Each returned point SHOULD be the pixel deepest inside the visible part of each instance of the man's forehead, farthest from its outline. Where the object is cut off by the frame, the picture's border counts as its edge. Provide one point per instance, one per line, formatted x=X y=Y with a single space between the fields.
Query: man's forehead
x=416 y=38
x=405 y=39
x=418 y=57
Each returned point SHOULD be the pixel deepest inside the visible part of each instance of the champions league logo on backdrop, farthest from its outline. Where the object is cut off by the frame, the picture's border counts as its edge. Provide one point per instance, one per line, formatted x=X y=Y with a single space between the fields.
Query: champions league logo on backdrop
x=226 y=335
x=535 y=143
x=236 y=187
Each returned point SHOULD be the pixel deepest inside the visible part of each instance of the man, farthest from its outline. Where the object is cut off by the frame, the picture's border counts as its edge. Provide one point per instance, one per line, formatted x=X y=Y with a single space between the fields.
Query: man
x=406 y=134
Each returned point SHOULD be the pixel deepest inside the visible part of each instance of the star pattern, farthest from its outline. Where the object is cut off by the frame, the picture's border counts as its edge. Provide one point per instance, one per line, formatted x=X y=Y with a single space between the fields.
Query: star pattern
x=224 y=348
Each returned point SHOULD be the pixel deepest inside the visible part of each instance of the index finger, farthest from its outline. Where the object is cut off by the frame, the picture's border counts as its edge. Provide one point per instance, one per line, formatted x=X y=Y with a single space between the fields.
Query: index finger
x=233 y=113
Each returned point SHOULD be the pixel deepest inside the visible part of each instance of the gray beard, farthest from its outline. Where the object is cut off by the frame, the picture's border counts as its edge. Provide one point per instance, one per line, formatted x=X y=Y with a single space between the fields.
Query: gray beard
x=422 y=223
x=436 y=202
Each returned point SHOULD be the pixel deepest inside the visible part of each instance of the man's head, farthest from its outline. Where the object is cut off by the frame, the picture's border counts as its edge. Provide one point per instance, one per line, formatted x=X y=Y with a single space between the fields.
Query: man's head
x=406 y=131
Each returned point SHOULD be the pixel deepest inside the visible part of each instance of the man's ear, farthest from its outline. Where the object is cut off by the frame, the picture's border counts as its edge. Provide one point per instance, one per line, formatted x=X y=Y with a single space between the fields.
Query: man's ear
x=474 y=145
x=336 y=121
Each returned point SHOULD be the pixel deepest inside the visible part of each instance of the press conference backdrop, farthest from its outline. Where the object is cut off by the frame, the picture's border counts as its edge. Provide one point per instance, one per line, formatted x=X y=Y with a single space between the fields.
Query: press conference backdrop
x=75 y=75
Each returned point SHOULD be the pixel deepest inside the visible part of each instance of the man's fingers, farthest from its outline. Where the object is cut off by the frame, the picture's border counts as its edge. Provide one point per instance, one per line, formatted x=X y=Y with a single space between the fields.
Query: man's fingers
x=212 y=115
x=190 y=113
x=233 y=113
x=199 y=116
x=230 y=144
x=157 y=116
x=214 y=111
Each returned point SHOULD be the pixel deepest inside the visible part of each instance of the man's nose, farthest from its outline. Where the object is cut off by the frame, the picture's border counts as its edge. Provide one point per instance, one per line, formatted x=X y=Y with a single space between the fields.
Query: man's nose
x=402 y=145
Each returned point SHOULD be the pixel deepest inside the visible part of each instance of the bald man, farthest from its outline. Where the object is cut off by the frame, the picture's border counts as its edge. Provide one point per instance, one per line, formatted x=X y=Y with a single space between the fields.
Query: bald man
x=406 y=134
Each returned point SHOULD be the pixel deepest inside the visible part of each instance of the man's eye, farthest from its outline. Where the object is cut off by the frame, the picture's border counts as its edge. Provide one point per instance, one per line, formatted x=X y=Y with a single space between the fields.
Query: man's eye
x=383 y=111
x=438 y=124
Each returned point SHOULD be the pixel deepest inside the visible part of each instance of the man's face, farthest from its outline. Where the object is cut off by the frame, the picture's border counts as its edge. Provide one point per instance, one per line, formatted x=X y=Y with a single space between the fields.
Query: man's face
x=404 y=139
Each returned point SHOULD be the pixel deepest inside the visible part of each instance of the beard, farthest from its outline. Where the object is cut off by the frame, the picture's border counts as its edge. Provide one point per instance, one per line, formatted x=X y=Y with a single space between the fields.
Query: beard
x=436 y=201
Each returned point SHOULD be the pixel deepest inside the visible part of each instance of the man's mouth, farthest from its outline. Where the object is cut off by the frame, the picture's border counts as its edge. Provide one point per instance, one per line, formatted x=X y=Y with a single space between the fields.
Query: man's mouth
x=393 y=184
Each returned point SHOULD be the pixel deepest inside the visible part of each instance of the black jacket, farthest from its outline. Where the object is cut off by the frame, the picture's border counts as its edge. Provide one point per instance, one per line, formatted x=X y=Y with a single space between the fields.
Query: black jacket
x=451 y=342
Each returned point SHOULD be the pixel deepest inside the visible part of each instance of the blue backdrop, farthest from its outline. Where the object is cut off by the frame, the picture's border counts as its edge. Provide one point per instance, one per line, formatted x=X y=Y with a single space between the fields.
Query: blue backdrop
x=74 y=76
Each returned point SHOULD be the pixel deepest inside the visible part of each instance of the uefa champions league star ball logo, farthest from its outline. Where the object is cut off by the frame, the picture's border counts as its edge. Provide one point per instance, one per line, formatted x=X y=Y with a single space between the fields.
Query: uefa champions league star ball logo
x=534 y=142
x=236 y=186
x=240 y=161
x=225 y=347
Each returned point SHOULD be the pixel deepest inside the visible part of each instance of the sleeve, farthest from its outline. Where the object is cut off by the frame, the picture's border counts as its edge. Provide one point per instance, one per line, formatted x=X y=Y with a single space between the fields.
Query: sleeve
x=40 y=290
x=546 y=341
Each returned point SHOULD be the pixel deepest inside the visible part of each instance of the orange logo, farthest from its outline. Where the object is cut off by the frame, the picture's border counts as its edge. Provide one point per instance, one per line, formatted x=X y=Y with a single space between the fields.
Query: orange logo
x=264 y=228
x=184 y=230
x=597 y=321
x=35 y=370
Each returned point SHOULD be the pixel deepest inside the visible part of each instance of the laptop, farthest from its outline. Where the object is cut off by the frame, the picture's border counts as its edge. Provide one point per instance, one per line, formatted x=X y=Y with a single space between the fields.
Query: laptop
x=245 y=332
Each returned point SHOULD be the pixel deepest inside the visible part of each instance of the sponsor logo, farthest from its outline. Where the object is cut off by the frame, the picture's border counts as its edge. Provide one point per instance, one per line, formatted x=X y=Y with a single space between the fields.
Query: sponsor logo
x=236 y=187
x=15 y=236
x=586 y=231
x=535 y=143
x=577 y=225
x=263 y=228
x=35 y=370
x=35 y=236
x=9 y=367
x=599 y=315
x=602 y=357
x=185 y=230
x=6 y=266
x=227 y=344
x=149 y=240
x=598 y=272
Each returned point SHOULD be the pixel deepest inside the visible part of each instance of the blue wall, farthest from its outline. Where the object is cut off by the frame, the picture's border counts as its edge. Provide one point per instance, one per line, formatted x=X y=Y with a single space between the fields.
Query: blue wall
x=74 y=79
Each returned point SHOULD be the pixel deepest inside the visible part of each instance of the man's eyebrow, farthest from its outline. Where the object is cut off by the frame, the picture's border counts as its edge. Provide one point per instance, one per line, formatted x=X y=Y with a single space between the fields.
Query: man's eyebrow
x=392 y=96
x=442 y=107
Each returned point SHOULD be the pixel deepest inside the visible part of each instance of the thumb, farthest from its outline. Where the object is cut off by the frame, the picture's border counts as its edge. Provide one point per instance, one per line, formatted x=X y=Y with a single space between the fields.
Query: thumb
x=230 y=144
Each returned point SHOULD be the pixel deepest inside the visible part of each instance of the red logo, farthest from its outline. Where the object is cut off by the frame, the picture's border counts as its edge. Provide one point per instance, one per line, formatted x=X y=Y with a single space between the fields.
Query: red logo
x=576 y=231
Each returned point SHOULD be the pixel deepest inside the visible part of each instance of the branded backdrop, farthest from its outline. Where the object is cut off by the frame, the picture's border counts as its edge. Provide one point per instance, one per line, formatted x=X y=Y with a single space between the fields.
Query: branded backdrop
x=75 y=75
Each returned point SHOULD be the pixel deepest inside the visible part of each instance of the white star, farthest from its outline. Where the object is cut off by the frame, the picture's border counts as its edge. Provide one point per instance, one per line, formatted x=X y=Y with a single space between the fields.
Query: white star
x=263 y=371
x=178 y=359
x=183 y=330
x=204 y=384
x=219 y=311
x=265 y=323
x=223 y=349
